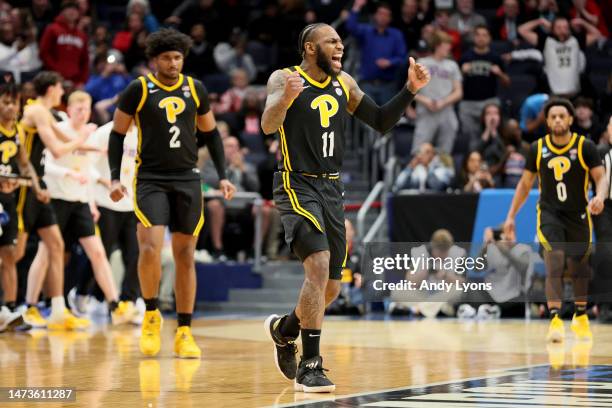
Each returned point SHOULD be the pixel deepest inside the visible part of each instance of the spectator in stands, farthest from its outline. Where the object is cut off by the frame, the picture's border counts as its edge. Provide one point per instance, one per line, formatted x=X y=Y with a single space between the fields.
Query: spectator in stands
x=105 y=85
x=475 y=175
x=436 y=121
x=585 y=123
x=143 y=8
x=136 y=56
x=244 y=176
x=123 y=39
x=481 y=69
x=323 y=11
x=490 y=145
x=231 y=55
x=563 y=58
x=427 y=170
x=383 y=51
x=191 y=12
x=410 y=23
x=266 y=28
x=547 y=9
x=465 y=19
x=27 y=92
x=506 y=23
x=42 y=14
x=250 y=114
x=19 y=53
x=63 y=47
x=200 y=61
x=99 y=43
x=231 y=100
x=442 y=22
x=589 y=11
x=514 y=160
x=532 y=120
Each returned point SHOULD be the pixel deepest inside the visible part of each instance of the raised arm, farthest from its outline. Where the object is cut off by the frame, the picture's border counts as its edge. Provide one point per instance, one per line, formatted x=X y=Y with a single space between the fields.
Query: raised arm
x=383 y=118
x=592 y=32
x=282 y=89
x=527 y=30
x=43 y=122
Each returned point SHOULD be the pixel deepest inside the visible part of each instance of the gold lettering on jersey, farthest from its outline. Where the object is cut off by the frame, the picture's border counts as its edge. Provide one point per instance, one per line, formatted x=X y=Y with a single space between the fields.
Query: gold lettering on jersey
x=174 y=106
x=8 y=149
x=327 y=106
x=560 y=166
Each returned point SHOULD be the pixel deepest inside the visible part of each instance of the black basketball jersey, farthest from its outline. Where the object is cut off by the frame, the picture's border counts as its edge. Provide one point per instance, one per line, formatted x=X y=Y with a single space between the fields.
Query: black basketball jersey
x=166 y=120
x=9 y=147
x=35 y=148
x=563 y=171
x=312 y=134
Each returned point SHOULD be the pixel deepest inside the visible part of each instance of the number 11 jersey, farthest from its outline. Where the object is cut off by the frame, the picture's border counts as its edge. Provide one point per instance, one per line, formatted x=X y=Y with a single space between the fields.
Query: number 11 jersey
x=166 y=120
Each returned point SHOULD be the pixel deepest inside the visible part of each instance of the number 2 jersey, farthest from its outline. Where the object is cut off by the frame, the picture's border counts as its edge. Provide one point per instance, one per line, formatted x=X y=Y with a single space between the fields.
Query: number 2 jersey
x=563 y=171
x=312 y=134
x=166 y=120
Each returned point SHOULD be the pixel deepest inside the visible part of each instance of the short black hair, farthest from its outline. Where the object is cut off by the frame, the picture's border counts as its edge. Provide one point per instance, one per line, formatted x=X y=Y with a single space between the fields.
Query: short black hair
x=556 y=101
x=167 y=39
x=9 y=88
x=384 y=4
x=583 y=101
x=44 y=79
x=306 y=35
x=482 y=27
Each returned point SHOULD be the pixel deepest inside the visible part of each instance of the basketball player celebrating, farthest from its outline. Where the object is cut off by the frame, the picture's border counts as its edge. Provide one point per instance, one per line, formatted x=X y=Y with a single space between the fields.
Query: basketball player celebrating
x=42 y=134
x=563 y=163
x=173 y=117
x=13 y=157
x=307 y=107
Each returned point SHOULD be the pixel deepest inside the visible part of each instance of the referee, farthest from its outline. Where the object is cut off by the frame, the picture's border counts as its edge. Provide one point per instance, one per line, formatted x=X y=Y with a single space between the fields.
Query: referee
x=603 y=231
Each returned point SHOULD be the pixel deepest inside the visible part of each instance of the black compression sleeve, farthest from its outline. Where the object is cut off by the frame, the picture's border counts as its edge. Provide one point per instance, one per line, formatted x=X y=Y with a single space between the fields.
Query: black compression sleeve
x=383 y=118
x=212 y=140
x=115 y=154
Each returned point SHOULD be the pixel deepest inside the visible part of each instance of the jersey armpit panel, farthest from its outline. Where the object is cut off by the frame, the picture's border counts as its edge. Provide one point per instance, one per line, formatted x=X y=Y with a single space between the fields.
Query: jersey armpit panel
x=130 y=97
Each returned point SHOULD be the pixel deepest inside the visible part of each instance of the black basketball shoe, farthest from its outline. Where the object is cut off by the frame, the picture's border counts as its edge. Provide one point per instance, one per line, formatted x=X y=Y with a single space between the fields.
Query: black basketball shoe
x=311 y=377
x=284 y=347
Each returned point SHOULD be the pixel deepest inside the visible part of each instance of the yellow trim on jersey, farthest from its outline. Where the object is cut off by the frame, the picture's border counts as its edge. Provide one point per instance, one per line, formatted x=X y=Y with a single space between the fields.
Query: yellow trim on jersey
x=564 y=149
x=196 y=98
x=345 y=257
x=580 y=156
x=8 y=133
x=590 y=248
x=198 y=227
x=343 y=87
x=295 y=204
x=312 y=81
x=143 y=97
x=23 y=191
x=539 y=155
x=285 y=149
x=164 y=87
x=541 y=236
x=139 y=214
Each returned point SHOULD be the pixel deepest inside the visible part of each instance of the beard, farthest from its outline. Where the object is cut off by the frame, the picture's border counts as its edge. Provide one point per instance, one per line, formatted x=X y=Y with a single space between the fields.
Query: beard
x=324 y=63
x=560 y=131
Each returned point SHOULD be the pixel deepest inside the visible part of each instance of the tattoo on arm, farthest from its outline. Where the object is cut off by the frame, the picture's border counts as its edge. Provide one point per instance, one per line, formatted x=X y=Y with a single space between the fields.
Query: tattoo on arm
x=276 y=105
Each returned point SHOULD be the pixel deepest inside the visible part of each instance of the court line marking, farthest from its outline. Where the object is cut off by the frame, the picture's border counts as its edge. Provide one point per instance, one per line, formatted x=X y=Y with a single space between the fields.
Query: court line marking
x=412 y=387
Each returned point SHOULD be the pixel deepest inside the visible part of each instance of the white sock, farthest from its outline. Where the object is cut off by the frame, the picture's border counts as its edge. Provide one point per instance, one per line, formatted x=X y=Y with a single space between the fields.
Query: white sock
x=57 y=308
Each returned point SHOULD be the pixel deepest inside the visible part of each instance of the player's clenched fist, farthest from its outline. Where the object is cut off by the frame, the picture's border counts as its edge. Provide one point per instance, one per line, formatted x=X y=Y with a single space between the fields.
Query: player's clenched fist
x=118 y=191
x=418 y=76
x=294 y=86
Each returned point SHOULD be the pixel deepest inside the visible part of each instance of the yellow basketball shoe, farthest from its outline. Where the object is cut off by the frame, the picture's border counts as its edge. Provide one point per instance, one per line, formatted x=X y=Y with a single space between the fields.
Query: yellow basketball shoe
x=124 y=313
x=68 y=322
x=580 y=327
x=185 y=345
x=556 y=330
x=33 y=318
x=150 y=341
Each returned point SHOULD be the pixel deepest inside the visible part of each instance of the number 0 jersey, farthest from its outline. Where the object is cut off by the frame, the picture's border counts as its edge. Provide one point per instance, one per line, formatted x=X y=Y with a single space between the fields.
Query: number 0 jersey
x=563 y=171
x=166 y=120
x=312 y=135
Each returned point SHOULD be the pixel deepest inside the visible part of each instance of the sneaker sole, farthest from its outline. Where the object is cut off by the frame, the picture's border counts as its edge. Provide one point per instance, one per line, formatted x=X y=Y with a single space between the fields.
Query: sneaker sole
x=36 y=325
x=269 y=334
x=324 y=388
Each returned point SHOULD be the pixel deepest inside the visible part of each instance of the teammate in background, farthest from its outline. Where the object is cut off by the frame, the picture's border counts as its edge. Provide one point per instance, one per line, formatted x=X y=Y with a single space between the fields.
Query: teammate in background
x=117 y=221
x=307 y=107
x=173 y=117
x=43 y=135
x=563 y=162
x=13 y=159
x=67 y=179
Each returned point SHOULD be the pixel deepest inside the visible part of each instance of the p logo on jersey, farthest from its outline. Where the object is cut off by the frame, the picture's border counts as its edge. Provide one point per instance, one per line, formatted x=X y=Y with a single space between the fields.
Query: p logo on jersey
x=327 y=106
x=8 y=149
x=560 y=166
x=174 y=106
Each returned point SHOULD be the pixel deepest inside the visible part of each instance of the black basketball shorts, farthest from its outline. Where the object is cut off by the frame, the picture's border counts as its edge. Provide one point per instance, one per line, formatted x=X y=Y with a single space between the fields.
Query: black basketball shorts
x=568 y=231
x=33 y=214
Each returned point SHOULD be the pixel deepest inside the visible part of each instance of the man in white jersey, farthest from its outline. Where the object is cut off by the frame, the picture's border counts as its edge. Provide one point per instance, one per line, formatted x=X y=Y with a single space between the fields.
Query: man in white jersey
x=117 y=220
x=67 y=180
x=562 y=50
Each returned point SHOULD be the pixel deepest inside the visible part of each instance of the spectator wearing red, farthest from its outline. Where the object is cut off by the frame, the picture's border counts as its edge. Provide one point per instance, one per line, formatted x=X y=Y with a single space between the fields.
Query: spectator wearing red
x=589 y=11
x=506 y=22
x=231 y=100
x=123 y=39
x=63 y=47
x=442 y=22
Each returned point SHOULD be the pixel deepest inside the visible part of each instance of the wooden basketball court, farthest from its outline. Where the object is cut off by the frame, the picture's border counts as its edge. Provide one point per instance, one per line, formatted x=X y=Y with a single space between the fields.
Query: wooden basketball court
x=399 y=363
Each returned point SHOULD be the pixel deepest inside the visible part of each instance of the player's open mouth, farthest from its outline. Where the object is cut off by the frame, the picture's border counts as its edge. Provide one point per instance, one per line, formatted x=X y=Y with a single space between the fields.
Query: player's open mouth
x=337 y=61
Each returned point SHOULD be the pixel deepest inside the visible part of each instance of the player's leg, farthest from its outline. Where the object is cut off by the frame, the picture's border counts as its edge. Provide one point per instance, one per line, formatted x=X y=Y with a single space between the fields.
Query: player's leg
x=130 y=287
x=9 y=318
x=215 y=211
x=186 y=223
x=579 y=267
